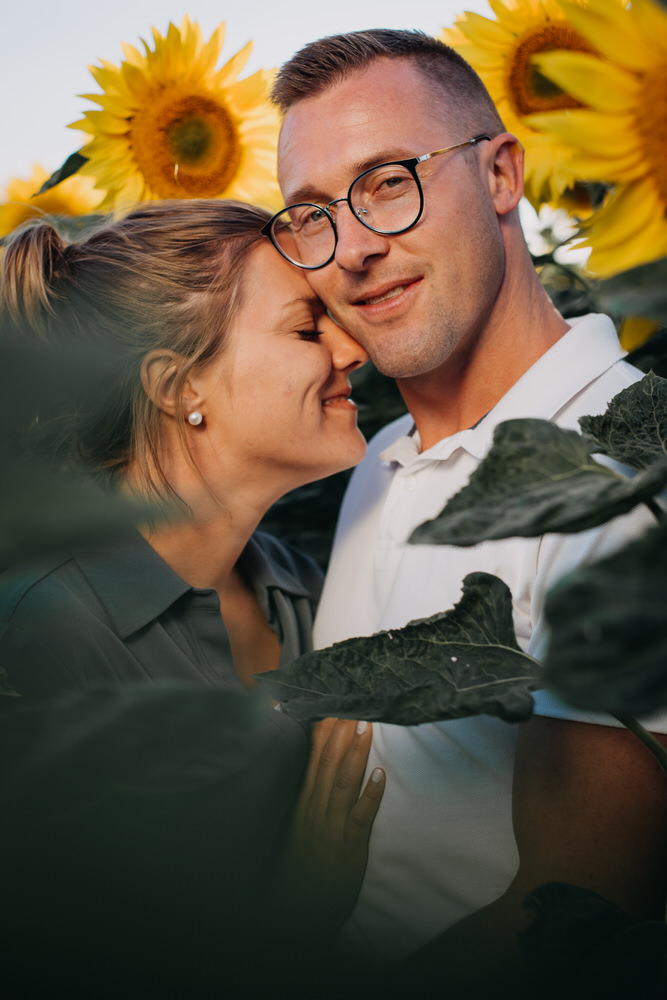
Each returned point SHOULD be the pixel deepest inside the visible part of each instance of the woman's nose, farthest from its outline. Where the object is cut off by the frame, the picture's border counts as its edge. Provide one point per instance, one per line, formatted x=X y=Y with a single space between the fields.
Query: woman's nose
x=346 y=352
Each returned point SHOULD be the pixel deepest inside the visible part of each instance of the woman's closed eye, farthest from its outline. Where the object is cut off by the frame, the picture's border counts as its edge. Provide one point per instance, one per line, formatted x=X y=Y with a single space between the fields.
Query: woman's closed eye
x=309 y=334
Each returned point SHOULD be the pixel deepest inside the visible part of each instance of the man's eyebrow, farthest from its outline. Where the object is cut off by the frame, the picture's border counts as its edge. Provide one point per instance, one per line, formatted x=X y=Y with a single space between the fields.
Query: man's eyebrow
x=311 y=193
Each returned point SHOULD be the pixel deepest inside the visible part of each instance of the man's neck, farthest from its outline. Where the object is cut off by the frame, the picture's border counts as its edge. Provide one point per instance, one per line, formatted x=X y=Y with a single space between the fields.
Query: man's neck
x=468 y=385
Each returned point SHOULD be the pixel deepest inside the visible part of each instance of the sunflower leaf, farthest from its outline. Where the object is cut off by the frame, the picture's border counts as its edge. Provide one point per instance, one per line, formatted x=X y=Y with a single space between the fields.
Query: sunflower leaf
x=578 y=939
x=608 y=646
x=73 y=163
x=537 y=477
x=641 y=291
x=633 y=431
x=462 y=662
x=5 y=687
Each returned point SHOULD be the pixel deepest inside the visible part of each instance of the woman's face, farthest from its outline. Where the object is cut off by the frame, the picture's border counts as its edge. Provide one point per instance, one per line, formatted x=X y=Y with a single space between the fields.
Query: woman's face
x=277 y=401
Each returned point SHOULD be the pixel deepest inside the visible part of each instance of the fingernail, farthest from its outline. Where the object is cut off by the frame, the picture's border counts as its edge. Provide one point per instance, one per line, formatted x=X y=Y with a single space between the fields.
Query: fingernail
x=361 y=727
x=377 y=775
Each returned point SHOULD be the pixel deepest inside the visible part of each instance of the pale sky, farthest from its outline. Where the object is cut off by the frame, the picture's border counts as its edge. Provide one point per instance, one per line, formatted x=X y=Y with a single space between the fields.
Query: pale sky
x=45 y=49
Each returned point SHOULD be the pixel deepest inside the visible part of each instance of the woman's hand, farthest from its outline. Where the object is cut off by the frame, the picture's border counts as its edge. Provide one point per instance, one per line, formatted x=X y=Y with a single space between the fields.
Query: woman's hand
x=328 y=849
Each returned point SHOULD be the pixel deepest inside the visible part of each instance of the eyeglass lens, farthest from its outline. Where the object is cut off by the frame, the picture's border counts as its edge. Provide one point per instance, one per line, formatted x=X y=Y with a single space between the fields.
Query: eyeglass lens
x=385 y=199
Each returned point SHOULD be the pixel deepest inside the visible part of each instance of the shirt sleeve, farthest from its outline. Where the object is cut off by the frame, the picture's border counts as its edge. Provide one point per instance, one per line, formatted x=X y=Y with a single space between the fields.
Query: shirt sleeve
x=562 y=554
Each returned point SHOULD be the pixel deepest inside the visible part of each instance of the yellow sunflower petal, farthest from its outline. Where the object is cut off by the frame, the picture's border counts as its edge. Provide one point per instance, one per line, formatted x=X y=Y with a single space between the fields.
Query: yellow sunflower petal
x=74 y=196
x=105 y=123
x=593 y=81
x=516 y=16
x=635 y=331
x=627 y=234
x=653 y=22
x=132 y=55
x=612 y=31
x=233 y=67
x=588 y=131
x=212 y=49
x=484 y=32
x=453 y=36
x=109 y=79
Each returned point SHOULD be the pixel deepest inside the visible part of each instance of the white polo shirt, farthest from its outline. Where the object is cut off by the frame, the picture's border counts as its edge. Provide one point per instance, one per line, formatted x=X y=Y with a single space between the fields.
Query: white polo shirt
x=442 y=843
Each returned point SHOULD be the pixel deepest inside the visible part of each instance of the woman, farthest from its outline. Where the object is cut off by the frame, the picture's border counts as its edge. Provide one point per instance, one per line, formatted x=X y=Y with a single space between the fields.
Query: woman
x=228 y=387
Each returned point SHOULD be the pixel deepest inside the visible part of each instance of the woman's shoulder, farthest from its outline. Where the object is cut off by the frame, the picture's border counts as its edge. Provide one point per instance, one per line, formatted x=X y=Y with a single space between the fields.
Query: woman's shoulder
x=47 y=586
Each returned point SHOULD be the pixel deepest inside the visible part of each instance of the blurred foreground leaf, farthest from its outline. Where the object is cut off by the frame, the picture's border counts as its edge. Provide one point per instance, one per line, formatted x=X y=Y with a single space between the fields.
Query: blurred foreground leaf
x=641 y=291
x=537 y=477
x=582 y=945
x=48 y=500
x=463 y=662
x=633 y=430
x=43 y=511
x=140 y=829
x=608 y=646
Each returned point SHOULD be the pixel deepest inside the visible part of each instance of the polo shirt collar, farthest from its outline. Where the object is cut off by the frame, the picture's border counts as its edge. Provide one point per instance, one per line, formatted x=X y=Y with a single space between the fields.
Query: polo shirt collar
x=548 y=385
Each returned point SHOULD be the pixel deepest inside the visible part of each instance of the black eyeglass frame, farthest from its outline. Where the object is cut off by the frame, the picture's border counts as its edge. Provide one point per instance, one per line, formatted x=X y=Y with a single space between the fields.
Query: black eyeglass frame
x=410 y=164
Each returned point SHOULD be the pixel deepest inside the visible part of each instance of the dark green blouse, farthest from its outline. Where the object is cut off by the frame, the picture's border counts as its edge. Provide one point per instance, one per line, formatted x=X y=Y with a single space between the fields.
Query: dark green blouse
x=145 y=794
x=118 y=614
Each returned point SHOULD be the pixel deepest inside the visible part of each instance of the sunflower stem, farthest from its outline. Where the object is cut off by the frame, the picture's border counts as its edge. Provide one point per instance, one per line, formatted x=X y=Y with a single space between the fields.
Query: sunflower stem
x=649 y=741
x=656 y=510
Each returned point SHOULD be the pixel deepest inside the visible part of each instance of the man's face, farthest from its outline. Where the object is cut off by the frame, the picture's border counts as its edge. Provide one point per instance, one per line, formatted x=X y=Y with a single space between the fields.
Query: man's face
x=413 y=300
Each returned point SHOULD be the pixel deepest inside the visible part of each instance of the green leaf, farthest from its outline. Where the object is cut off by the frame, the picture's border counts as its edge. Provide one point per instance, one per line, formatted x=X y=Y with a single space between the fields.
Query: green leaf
x=641 y=291
x=5 y=686
x=73 y=163
x=463 y=662
x=537 y=477
x=44 y=511
x=141 y=826
x=608 y=646
x=580 y=941
x=633 y=430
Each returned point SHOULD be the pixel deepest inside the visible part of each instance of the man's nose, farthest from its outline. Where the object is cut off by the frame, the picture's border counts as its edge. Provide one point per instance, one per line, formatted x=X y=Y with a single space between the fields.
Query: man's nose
x=356 y=243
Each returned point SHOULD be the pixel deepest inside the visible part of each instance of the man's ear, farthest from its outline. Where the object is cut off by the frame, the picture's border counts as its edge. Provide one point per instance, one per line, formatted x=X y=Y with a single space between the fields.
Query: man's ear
x=159 y=369
x=505 y=161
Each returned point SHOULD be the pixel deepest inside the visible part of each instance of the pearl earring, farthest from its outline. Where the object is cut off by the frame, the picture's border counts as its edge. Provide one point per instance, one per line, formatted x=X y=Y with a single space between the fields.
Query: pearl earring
x=195 y=418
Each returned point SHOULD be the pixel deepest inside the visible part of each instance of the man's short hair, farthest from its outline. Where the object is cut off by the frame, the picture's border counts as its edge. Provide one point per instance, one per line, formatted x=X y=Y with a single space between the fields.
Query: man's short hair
x=326 y=62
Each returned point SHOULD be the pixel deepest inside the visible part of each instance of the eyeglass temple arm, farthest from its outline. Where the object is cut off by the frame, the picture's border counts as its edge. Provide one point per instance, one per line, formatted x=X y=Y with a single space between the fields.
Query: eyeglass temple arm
x=448 y=149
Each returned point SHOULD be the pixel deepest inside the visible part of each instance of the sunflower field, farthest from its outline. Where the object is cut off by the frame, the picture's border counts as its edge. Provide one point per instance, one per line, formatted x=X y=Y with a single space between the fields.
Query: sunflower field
x=582 y=84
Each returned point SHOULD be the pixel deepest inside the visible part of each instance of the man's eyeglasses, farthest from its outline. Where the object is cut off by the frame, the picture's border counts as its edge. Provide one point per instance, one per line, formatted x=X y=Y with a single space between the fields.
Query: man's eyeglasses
x=386 y=199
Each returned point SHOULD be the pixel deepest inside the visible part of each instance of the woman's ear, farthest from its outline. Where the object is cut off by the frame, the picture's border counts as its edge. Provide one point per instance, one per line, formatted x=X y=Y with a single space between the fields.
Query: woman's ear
x=159 y=369
x=506 y=177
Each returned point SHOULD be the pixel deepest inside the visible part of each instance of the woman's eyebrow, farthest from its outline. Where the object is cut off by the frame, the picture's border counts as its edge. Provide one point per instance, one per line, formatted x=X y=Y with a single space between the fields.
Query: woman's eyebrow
x=295 y=307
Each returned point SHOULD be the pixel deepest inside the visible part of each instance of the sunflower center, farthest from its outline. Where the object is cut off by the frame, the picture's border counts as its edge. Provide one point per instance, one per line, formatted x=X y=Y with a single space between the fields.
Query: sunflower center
x=186 y=146
x=652 y=127
x=528 y=90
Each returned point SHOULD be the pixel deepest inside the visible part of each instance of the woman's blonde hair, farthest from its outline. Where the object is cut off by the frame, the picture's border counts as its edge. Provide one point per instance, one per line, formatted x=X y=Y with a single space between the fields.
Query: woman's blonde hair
x=167 y=276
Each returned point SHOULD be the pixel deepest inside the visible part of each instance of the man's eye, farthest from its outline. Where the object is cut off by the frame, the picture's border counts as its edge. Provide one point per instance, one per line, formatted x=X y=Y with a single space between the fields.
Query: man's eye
x=309 y=334
x=313 y=221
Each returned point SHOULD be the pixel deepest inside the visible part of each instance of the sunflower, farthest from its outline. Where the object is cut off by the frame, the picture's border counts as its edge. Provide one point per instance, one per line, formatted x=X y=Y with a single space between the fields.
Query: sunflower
x=172 y=126
x=75 y=196
x=503 y=54
x=621 y=137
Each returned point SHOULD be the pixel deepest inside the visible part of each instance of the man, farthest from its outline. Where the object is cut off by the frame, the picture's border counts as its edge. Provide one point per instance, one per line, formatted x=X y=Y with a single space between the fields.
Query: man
x=426 y=265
